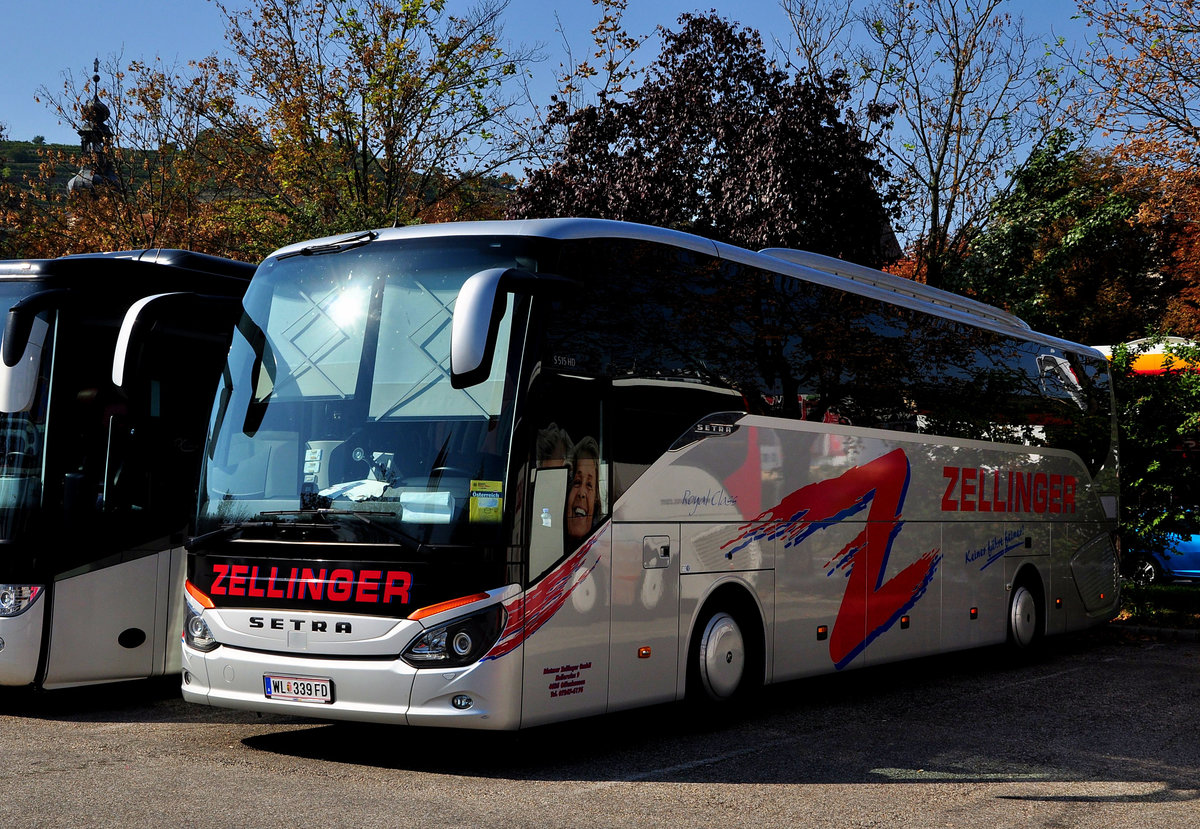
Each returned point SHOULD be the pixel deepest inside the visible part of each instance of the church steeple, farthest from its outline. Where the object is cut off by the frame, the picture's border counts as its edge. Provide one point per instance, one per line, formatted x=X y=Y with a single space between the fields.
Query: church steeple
x=95 y=135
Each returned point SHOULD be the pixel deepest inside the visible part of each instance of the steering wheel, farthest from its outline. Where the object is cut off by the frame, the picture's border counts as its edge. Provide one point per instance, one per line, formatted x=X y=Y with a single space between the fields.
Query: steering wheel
x=19 y=437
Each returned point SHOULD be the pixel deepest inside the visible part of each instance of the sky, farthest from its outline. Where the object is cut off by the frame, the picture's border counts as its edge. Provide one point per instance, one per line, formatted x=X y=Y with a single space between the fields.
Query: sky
x=60 y=35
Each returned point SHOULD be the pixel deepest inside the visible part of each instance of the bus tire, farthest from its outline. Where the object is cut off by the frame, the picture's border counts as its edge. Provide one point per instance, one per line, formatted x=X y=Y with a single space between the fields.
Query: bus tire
x=1024 y=617
x=724 y=660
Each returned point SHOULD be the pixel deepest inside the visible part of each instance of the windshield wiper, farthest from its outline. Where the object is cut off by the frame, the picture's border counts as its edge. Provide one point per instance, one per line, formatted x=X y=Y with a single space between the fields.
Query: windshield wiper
x=226 y=530
x=285 y=518
x=278 y=518
x=350 y=242
x=361 y=515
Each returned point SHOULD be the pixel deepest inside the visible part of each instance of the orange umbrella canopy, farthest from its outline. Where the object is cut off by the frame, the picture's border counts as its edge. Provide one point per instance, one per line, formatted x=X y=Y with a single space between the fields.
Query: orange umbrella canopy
x=1156 y=360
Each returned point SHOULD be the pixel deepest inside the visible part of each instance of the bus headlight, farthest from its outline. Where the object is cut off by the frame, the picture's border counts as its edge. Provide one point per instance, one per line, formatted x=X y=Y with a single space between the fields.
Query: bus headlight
x=196 y=632
x=15 y=599
x=458 y=643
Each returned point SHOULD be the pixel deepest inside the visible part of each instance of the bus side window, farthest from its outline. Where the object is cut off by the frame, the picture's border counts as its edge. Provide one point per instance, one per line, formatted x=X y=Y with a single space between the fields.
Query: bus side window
x=570 y=501
x=569 y=480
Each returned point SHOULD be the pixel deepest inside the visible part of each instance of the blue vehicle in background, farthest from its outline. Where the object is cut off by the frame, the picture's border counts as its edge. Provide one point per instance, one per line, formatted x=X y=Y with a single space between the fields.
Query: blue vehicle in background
x=1179 y=561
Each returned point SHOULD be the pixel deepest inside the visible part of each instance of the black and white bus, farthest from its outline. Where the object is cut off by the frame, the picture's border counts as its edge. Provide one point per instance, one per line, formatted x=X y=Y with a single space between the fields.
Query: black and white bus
x=109 y=363
x=492 y=475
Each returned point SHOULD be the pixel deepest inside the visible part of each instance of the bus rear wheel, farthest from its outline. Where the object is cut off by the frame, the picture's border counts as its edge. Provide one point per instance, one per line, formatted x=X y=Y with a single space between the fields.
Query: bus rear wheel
x=719 y=658
x=1024 y=618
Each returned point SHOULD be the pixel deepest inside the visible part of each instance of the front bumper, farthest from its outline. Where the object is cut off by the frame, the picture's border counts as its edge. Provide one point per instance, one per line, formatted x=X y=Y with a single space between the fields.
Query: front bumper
x=22 y=637
x=384 y=690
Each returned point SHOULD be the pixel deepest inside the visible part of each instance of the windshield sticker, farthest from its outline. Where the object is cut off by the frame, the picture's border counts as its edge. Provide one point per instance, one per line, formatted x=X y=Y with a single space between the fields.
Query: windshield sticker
x=486 y=502
x=870 y=605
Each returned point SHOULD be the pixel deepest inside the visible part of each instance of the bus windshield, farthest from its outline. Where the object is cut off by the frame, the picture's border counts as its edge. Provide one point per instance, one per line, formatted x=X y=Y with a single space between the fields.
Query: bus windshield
x=336 y=405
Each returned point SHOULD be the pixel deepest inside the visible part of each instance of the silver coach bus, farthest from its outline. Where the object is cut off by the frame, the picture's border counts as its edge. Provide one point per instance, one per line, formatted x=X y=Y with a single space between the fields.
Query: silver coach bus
x=492 y=475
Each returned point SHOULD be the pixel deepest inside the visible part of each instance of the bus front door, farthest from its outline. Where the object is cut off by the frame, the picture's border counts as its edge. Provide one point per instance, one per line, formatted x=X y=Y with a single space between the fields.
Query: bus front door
x=120 y=637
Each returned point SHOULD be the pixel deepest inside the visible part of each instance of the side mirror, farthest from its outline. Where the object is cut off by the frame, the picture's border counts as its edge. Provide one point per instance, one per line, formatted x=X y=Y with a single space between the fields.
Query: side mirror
x=19 y=380
x=20 y=318
x=477 y=314
x=195 y=315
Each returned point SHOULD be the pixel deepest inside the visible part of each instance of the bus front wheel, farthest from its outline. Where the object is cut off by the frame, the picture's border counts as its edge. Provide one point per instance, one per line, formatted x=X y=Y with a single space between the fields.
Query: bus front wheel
x=718 y=658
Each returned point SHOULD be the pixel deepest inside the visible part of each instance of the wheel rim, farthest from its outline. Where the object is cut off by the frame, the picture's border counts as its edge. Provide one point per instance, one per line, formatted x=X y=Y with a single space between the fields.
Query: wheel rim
x=1023 y=619
x=722 y=656
x=1146 y=574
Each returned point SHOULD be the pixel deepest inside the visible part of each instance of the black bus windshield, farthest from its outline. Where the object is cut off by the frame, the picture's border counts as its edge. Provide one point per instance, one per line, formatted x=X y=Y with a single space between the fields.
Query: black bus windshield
x=337 y=397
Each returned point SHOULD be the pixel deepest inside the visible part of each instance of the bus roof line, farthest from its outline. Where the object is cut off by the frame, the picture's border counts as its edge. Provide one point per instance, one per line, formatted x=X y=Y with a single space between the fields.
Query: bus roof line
x=819 y=268
x=153 y=259
x=583 y=228
x=896 y=284
x=906 y=293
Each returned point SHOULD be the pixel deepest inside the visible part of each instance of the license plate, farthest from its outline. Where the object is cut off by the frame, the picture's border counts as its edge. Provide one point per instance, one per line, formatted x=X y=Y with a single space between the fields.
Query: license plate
x=298 y=688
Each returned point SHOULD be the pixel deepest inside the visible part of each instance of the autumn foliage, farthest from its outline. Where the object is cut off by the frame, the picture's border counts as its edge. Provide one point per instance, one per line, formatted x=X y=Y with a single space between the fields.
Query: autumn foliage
x=326 y=116
x=1142 y=75
x=719 y=141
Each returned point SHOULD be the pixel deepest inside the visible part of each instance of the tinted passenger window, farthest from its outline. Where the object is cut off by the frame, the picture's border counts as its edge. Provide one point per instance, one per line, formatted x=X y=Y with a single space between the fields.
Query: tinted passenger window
x=792 y=348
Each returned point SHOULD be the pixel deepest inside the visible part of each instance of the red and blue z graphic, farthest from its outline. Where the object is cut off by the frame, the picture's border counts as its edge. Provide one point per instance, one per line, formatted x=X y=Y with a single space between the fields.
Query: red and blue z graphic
x=870 y=605
x=529 y=611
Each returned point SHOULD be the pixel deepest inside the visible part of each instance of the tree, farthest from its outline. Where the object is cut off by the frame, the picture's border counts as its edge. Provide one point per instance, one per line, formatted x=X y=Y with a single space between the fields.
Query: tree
x=1143 y=74
x=1143 y=88
x=332 y=115
x=973 y=94
x=177 y=176
x=721 y=142
x=376 y=110
x=1159 y=418
x=1067 y=251
x=1182 y=316
x=598 y=77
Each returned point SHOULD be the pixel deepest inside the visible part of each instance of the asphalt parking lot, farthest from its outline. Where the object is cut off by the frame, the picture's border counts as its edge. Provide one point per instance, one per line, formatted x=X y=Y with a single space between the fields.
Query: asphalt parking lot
x=1098 y=731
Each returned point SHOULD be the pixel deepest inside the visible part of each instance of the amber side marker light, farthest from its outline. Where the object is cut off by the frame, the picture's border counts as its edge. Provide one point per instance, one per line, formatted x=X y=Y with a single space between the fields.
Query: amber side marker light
x=1058 y=604
x=974 y=613
x=822 y=632
x=904 y=622
x=644 y=652
x=442 y=607
x=198 y=595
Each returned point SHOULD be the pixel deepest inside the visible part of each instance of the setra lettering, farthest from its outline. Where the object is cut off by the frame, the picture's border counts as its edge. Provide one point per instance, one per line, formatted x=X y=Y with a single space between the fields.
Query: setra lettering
x=313 y=625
